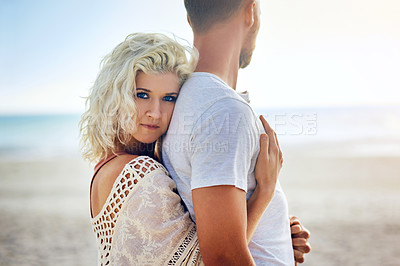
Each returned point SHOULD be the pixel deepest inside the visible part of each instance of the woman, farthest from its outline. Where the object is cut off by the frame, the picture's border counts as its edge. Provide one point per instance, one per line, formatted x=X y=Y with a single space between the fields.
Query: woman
x=137 y=215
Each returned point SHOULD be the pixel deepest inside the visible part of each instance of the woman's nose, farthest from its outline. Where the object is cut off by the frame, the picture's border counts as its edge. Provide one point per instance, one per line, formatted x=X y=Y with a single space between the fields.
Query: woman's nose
x=154 y=110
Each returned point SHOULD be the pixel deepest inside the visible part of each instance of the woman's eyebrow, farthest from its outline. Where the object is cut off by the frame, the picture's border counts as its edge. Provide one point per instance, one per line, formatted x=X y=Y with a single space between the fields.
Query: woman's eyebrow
x=143 y=89
x=172 y=93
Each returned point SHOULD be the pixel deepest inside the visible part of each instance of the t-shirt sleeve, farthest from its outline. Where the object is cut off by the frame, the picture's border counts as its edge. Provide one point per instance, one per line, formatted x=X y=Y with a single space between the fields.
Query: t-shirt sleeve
x=222 y=144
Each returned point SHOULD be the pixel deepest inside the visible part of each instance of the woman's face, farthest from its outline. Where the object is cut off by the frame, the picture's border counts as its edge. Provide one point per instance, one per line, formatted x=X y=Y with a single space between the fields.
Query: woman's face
x=155 y=100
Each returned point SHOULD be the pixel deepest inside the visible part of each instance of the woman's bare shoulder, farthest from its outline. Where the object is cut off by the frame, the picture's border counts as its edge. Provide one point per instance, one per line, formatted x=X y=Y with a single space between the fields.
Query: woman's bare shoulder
x=104 y=181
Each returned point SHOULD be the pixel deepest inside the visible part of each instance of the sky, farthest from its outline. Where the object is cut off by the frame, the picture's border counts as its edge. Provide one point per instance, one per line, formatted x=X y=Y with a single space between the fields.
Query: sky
x=308 y=52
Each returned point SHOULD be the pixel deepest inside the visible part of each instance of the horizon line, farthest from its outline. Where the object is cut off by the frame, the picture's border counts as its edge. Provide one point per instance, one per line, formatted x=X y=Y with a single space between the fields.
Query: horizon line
x=74 y=112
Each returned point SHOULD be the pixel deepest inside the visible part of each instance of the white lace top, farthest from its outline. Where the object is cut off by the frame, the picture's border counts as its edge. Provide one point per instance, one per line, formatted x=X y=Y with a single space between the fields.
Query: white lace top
x=143 y=221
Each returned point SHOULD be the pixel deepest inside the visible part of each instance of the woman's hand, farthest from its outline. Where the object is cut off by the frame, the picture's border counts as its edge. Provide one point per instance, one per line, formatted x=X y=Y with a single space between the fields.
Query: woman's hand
x=269 y=161
x=300 y=236
x=268 y=166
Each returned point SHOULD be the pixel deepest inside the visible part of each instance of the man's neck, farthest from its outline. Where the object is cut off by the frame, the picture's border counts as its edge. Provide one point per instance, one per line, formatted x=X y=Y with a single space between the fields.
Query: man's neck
x=219 y=51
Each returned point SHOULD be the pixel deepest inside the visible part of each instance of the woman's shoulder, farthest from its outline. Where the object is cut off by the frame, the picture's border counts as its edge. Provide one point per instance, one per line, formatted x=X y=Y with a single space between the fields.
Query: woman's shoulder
x=113 y=168
x=104 y=180
x=107 y=175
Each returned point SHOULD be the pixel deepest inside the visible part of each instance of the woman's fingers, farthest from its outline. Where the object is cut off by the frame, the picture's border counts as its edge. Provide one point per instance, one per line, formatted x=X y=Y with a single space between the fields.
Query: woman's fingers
x=267 y=166
x=274 y=148
x=264 y=144
x=294 y=220
x=298 y=242
x=271 y=134
x=300 y=237
x=299 y=232
x=298 y=256
x=304 y=249
x=304 y=233
x=279 y=149
x=267 y=127
x=295 y=229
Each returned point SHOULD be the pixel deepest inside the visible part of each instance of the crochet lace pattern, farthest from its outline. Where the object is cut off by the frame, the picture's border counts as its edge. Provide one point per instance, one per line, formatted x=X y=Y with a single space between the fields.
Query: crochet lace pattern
x=176 y=258
x=104 y=223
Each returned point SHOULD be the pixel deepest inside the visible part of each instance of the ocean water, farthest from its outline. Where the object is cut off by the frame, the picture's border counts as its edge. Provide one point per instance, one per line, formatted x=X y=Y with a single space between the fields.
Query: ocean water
x=349 y=131
x=358 y=131
x=28 y=137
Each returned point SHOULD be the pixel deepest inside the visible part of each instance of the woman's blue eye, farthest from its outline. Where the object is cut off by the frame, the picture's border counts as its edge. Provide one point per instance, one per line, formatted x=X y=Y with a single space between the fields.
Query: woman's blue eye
x=169 y=98
x=142 y=95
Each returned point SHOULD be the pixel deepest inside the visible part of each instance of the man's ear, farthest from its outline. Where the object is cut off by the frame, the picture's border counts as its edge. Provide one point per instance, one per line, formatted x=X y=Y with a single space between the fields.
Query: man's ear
x=188 y=20
x=249 y=10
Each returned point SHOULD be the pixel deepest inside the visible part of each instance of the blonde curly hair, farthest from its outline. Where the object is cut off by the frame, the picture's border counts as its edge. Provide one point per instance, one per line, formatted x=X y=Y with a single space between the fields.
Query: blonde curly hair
x=111 y=111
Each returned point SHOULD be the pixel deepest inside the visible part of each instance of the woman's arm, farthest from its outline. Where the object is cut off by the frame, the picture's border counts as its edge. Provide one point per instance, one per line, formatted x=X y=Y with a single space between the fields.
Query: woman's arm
x=268 y=166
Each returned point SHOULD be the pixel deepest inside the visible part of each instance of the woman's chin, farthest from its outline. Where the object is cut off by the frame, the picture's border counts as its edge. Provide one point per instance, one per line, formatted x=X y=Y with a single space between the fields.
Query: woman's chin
x=148 y=141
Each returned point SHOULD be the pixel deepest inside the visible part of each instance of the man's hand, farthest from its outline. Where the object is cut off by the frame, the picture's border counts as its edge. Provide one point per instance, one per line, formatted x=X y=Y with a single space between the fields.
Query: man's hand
x=300 y=237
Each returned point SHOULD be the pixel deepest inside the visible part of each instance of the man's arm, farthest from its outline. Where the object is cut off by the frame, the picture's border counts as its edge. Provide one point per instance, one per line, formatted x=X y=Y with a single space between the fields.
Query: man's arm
x=219 y=181
x=221 y=222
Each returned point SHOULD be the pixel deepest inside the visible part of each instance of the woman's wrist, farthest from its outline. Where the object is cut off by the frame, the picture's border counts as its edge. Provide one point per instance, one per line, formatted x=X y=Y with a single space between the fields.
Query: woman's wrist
x=256 y=206
x=264 y=192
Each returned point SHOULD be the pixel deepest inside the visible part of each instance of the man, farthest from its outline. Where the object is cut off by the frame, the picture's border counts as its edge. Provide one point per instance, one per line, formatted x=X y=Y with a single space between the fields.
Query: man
x=212 y=143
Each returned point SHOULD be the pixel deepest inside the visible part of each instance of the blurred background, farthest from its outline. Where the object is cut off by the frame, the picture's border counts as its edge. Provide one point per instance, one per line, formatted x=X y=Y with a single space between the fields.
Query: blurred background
x=325 y=75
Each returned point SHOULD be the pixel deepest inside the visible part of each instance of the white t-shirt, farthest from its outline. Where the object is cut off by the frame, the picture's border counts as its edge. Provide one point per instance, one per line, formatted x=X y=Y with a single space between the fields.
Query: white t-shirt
x=213 y=139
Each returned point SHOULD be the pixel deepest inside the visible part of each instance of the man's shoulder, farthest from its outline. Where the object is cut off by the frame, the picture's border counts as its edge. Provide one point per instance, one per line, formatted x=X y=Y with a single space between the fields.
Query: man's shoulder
x=204 y=80
x=205 y=87
x=204 y=90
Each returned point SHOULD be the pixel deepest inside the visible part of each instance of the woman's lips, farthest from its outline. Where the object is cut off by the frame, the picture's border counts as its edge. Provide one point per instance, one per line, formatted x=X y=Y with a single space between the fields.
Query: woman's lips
x=149 y=126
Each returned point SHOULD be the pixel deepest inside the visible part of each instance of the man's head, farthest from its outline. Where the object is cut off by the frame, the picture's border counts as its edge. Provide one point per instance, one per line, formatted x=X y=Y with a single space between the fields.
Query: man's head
x=204 y=14
x=250 y=42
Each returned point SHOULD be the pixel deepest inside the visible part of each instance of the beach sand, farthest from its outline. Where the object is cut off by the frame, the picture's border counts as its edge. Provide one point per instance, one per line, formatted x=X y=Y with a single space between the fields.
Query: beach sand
x=350 y=205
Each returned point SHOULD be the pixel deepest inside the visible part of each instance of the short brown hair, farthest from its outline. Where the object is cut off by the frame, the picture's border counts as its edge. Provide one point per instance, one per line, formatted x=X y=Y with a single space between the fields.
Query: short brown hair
x=205 y=13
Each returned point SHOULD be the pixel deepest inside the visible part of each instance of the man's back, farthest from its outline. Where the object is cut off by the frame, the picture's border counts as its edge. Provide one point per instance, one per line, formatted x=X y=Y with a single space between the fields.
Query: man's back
x=213 y=139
